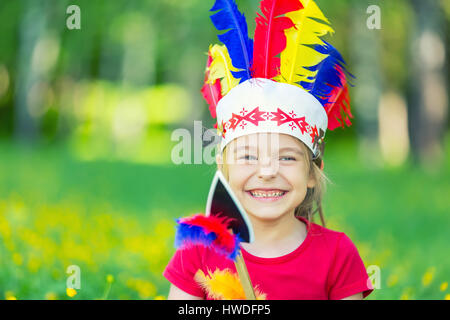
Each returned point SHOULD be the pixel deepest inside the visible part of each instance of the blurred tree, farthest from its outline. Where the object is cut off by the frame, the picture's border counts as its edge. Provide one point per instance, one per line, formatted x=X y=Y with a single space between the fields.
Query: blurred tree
x=365 y=53
x=428 y=95
x=32 y=27
x=38 y=52
x=46 y=70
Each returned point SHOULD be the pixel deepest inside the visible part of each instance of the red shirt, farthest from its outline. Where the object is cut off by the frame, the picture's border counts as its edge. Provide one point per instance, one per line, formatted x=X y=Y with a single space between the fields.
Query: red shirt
x=326 y=265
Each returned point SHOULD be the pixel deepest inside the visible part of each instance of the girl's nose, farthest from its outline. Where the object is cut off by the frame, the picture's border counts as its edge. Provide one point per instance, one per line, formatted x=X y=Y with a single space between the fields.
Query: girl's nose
x=267 y=168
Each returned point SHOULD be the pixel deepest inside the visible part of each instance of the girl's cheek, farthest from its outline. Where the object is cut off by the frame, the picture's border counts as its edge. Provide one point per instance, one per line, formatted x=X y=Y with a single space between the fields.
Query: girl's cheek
x=293 y=173
x=239 y=174
x=242 y=167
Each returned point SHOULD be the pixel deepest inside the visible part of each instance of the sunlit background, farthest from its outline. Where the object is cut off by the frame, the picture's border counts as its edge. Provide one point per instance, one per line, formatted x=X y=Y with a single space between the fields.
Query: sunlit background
x=86 y=118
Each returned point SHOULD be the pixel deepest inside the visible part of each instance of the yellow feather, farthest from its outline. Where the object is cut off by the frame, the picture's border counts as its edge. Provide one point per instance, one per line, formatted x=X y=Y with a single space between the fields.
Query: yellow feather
x=223 y=285
x=221 y=68
x=307 y=31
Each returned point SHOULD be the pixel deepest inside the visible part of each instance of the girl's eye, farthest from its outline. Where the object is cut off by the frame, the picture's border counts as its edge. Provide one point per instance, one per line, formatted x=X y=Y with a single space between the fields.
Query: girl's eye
x=248 y=157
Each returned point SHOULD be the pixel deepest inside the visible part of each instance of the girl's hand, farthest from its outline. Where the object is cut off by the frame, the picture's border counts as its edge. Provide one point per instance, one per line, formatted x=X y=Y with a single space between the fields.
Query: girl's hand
x=177 y=294
x=357 y=296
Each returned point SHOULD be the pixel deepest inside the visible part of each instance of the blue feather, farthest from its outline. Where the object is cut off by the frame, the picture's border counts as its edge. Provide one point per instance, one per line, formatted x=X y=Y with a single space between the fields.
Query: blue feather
x=239 y=45
x=328 y=75
x=187 y=235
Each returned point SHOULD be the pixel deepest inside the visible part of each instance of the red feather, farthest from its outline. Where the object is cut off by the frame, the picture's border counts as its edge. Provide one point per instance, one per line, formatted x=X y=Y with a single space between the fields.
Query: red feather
x=270 y=39
x=217 y=225
x=338 y=109
x=211 y=92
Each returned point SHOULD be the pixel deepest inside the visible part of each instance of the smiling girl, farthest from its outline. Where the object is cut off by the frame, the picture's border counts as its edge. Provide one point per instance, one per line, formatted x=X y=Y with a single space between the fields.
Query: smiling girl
x=272 y=123
x=275 y=179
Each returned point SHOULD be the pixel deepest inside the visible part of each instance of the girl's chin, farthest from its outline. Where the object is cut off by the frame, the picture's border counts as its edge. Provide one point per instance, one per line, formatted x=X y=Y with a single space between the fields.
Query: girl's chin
x=264 y=212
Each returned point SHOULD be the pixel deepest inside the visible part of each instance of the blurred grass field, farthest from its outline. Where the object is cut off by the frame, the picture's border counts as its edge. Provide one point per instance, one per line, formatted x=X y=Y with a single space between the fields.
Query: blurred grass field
x=115 y=220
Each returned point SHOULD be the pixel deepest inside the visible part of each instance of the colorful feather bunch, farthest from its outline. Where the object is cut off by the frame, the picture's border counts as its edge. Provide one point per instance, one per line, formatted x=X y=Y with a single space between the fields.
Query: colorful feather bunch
x=310 y=26
x=210 y=231
x=330 y=86
x=287 y=47
x=270 y=39
x=239 y=45
x=223 y=285
x=211 y=90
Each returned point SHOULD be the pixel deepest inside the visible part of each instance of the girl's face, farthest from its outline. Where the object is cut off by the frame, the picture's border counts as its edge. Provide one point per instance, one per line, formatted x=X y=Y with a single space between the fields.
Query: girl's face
x=268 y=173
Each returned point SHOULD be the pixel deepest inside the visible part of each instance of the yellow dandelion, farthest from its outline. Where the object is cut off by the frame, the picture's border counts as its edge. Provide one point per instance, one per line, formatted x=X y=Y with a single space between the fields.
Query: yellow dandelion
x=404 y=296
x=392 y=280
x=9 y=295
x=447 y=296
x=71 y=292
x=33 y=265
x=109 y=281
x=17 y=259
x=160 y=298
x=50 y=296
x=110 y=278
x=444 y=286
x=428 y=277
x=146 y=289
x=9 y=244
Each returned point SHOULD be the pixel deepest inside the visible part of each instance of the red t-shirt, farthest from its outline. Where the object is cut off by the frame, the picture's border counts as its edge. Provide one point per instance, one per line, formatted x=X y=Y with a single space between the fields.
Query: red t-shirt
x=326 y=265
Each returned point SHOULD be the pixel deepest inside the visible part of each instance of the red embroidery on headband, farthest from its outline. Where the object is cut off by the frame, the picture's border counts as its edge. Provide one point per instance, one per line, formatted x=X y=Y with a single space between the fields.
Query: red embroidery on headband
x=267 y=116
x=282 y=117
x=254 y=116
x=313 y=133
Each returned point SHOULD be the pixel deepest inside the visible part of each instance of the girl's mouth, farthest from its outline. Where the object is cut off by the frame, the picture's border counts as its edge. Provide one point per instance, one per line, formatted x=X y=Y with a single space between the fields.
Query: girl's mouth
x=266 y=195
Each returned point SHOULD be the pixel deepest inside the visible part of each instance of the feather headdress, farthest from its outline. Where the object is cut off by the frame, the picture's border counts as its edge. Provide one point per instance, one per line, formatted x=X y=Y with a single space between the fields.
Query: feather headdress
x=287 y=52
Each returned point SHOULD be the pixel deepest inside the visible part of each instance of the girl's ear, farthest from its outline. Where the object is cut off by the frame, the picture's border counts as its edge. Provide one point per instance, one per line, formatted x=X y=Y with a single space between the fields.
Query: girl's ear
x=311 y=181
x=219 y=160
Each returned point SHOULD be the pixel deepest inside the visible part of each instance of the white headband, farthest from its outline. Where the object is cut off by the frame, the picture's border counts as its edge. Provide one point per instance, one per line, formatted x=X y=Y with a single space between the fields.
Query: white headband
x=260 y=105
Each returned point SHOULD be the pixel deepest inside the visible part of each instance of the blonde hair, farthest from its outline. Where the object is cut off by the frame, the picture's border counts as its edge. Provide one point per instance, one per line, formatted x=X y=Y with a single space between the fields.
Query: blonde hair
x=313 y=199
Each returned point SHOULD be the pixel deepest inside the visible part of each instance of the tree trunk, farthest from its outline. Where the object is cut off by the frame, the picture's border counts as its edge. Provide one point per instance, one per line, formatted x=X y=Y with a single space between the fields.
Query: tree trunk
x=428 y=96
x=365 y=55
x=31 y=29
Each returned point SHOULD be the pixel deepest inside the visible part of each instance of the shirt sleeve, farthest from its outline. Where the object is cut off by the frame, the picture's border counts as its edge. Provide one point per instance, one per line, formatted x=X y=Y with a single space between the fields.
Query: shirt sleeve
x=181 y=269
x=348 y=275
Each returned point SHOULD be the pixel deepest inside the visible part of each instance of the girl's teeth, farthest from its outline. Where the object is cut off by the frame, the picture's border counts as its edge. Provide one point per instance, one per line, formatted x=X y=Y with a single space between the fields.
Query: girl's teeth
x=267 y=195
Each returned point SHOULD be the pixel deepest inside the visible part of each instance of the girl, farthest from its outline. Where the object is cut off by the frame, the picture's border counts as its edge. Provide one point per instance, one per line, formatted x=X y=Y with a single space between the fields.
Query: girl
x=272 y=123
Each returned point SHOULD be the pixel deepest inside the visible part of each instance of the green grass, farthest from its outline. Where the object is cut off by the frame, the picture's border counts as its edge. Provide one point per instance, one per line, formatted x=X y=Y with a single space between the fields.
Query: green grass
x=398 y=218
